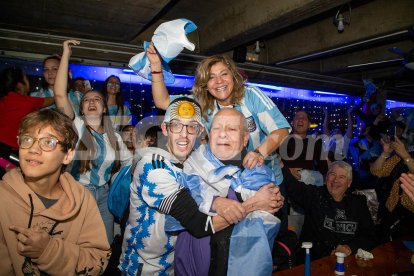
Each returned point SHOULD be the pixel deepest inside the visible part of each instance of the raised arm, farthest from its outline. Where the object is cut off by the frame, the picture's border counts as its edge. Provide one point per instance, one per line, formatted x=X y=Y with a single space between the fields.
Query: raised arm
x=159 y=90
x=61 y=98
x=396 y=113
x=379 y=163
x=350 y=129
x=326 y=123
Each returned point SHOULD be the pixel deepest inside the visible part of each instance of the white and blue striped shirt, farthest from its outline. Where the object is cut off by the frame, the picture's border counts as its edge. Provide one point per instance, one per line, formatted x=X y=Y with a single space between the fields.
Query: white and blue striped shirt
x=104 y=160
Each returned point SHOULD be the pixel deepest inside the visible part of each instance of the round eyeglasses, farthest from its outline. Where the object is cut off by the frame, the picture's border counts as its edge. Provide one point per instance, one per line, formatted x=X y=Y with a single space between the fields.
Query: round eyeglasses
x=45 y=143
x=176 y=127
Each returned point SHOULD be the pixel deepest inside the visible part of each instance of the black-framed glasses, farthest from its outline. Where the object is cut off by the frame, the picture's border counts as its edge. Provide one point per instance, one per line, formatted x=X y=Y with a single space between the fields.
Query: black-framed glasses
x=45 y=143
x=176 y=127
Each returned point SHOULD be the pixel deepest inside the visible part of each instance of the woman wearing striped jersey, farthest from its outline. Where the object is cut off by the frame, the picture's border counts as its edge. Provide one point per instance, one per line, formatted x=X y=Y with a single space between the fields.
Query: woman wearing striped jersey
x=50 y=68
x=119 y=112
x=100 y=151
x=218 y=84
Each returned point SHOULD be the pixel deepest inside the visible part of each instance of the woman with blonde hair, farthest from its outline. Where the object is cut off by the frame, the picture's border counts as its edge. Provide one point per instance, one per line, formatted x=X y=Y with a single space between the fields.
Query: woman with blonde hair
x=218 y=84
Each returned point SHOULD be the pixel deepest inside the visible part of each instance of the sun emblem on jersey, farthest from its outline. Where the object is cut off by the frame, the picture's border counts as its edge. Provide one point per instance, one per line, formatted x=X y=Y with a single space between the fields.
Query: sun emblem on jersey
x=186 y=110
x=251 y=124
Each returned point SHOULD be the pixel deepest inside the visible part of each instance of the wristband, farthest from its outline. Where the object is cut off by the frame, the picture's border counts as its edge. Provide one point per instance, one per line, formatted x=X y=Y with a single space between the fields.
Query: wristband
x=406 y=160
x=156 y=72
x=256 y=150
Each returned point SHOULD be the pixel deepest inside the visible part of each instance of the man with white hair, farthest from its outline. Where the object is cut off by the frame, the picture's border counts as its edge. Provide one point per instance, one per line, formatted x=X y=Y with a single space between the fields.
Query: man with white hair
x=335 y=219
x=212 y=173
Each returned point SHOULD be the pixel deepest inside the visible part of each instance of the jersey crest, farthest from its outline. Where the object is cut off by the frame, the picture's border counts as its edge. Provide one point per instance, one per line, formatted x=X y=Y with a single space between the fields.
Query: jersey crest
x=251 y=124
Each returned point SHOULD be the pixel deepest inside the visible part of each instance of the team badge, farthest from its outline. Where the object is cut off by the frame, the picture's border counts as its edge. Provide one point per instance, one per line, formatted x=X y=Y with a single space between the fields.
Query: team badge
x=251 y=124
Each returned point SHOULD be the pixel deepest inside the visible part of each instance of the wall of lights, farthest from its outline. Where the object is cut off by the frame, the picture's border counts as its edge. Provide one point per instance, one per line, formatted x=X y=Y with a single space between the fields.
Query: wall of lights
x=137 y=93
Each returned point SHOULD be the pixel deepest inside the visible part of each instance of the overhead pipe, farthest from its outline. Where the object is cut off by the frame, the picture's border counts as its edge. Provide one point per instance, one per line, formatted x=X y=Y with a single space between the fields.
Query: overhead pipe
x=343 y=48
x=284 y=72
x=89 y=41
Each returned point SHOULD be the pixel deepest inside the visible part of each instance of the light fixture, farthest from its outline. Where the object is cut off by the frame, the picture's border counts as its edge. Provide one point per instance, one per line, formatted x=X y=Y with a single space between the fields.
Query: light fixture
x=340 y=21
x=256 y=47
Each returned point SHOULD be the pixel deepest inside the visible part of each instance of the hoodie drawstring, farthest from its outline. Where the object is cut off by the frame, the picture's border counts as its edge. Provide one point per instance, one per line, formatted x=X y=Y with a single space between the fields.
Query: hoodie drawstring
x=31 y=211
x=31 y=216
x=53 y=228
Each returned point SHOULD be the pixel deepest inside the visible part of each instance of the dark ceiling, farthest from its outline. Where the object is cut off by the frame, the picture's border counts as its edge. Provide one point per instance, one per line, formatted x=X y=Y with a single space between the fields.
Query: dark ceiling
x=300 y=45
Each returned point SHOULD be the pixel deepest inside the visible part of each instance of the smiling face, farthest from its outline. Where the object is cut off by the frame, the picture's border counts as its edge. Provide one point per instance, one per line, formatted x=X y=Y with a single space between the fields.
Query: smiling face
x=228 y=137
x=129 y=136
x=220 y=84
x=180 y=144
x=92 y=104
x=50 y=69
x=301 y=123
x=337 y=181
x=113 y=86
x=37 y=164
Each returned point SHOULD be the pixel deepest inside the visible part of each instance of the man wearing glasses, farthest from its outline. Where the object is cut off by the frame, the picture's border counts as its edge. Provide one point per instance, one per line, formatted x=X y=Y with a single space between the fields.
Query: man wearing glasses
x=156 y=196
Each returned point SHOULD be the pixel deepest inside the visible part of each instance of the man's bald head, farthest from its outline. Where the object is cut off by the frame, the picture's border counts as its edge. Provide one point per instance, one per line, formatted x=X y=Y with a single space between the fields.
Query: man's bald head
x=232 y=112
x=228 y=134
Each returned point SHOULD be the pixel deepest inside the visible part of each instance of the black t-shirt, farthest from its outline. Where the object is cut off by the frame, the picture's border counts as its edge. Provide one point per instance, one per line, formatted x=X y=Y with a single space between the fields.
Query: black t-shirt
x=48 y=202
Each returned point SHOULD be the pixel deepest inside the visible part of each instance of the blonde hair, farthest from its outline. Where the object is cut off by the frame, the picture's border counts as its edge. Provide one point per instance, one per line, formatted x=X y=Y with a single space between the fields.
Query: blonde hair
x=201 y=94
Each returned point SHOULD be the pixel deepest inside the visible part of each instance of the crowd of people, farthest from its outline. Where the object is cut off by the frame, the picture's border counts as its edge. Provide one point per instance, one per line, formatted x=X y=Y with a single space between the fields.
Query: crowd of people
x=204 y=192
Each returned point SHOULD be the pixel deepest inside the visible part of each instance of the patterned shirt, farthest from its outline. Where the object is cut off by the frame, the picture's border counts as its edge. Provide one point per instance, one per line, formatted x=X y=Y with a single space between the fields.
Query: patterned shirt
x=147 y=249
x=116 y=116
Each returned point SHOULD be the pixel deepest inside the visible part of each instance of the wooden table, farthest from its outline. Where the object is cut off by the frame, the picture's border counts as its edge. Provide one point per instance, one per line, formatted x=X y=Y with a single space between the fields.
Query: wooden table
x=389 y=258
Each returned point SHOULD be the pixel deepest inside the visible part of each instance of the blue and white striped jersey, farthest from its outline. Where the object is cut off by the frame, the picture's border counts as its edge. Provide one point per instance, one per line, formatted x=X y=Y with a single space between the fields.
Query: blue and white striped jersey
x=105 y=157
x=116 y=115
x=43 y=94
x=146 y=246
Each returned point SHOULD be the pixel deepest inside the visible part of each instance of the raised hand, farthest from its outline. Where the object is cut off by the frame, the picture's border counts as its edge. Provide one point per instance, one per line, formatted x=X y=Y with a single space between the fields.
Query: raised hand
x=399 y=147
x=386 y=146
x=407 y=184
x=67 y=49
x=153 y=56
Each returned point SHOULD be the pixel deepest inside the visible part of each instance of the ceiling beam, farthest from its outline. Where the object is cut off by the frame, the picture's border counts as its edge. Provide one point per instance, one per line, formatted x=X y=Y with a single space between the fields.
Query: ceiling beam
x=245 y=21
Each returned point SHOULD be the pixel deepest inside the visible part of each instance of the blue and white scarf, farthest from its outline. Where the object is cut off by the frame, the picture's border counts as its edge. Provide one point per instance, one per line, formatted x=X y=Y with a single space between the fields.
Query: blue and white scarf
x=170 y=38
x=252 y=239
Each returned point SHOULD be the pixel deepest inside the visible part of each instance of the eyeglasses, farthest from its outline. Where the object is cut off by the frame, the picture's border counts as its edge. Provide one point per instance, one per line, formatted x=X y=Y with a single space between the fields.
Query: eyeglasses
x=178 y=127
x=92 y=100
x=45 y=143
